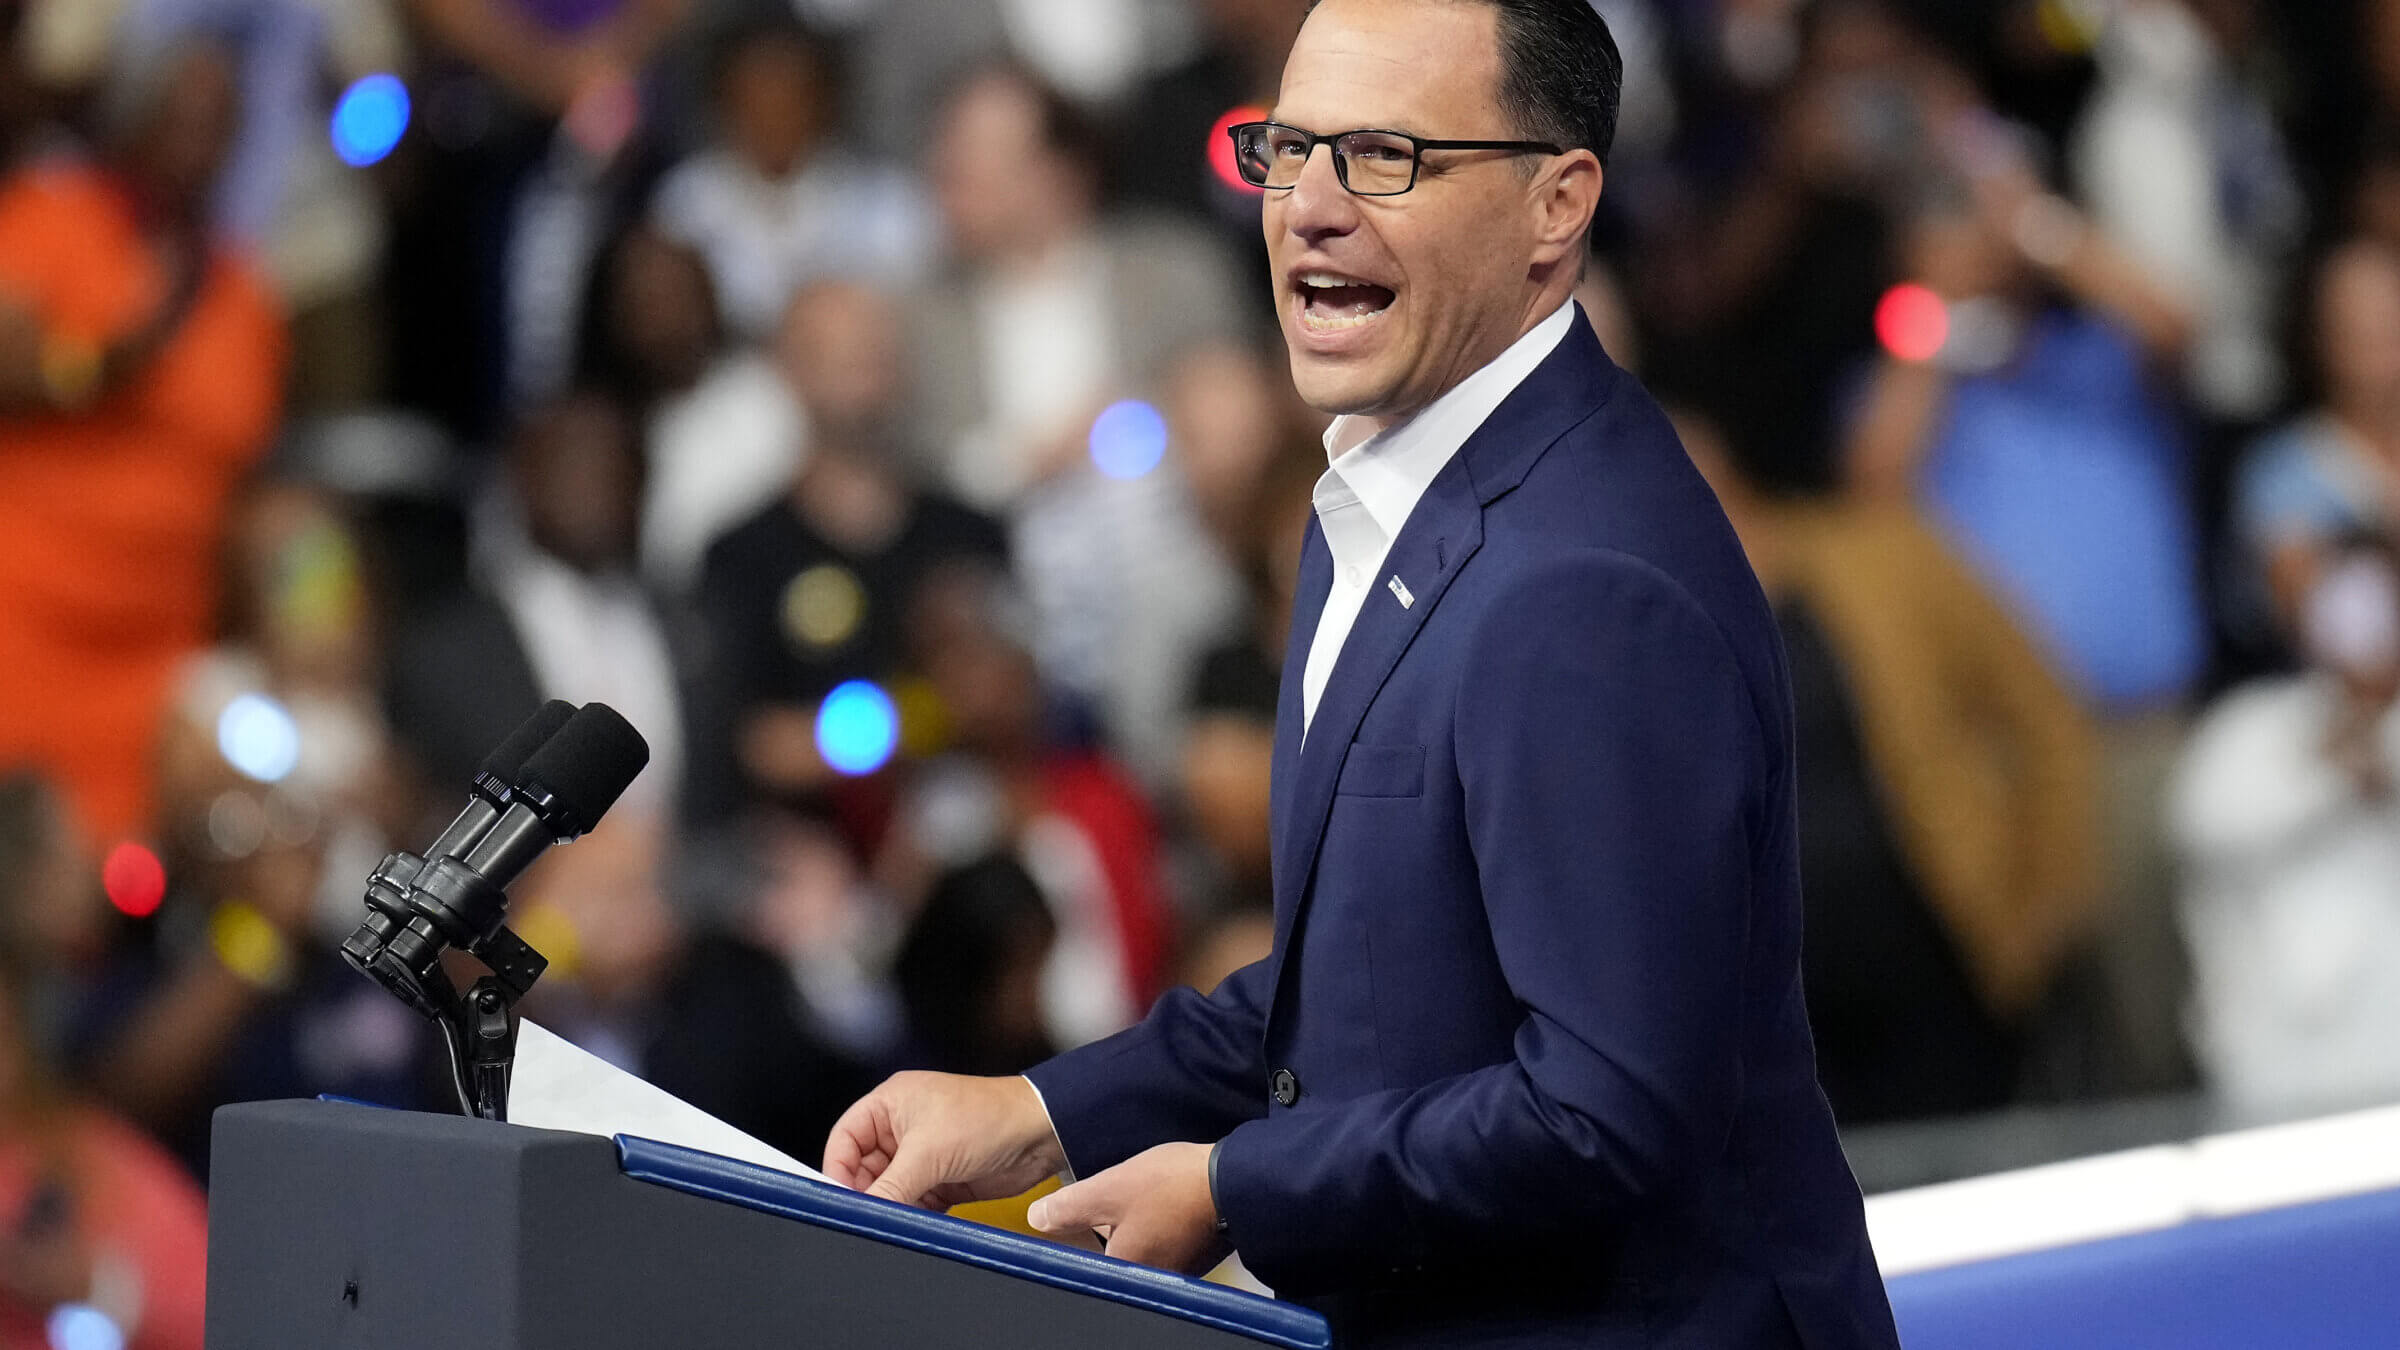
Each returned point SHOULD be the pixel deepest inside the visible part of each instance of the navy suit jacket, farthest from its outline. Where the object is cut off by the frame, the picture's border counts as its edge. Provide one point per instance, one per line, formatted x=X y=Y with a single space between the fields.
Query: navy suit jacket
x=1529 y=1064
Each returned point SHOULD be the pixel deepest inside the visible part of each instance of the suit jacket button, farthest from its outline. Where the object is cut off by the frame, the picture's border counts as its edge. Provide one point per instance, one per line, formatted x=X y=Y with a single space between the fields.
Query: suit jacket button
x=1286 y=1086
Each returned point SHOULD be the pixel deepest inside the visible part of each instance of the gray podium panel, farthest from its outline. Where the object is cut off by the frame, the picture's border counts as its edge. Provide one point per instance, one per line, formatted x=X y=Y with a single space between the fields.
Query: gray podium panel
x=336 y=1227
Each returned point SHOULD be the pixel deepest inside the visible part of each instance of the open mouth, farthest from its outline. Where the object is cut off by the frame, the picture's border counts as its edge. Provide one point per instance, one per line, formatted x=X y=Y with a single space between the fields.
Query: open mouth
x=1330 y=302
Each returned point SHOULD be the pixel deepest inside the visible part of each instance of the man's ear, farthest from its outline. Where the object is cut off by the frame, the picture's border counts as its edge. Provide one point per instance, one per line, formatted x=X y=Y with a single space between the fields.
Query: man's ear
x=1565 y=198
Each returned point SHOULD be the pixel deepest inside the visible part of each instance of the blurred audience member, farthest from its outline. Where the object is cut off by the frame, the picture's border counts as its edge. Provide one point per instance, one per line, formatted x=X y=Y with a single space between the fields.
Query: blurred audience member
x=140 y=366
x=1135 y=578
x=2044 y=446
x=815 y=589
x=776 y=203
x=96 y=1214
x=1229 y=748
x=725 y=430
x=2041 y=441
x=2284 y=811
x=2334 y=470
x=1759 y=291
x=699 y=1012
x=316 y=223
x=810 y=903
x=1049 y=310
x=970 y=971
x=1948 y=853
x=1073 y=818
x=1237 y=432
x=559 y=611
x=1052 y=314
x=537 y=134
x=287 y=701
x=275 y=799
x=2179 y=158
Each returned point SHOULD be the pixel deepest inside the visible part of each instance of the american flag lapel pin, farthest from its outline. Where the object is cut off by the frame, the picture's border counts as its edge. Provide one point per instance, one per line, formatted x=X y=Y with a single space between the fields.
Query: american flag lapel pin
x=1399 y=590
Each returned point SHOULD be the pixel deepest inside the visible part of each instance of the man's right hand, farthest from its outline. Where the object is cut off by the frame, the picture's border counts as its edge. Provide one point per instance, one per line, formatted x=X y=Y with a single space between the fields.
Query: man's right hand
x=934 y=1140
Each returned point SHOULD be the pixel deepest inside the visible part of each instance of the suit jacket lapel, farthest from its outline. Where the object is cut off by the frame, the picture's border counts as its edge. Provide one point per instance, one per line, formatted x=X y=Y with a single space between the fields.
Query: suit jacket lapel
x=1442 y=533
x=1308 y=604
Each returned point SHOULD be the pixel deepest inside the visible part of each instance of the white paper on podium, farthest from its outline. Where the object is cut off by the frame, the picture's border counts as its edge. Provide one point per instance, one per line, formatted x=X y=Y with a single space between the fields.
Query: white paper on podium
x=558 y=1085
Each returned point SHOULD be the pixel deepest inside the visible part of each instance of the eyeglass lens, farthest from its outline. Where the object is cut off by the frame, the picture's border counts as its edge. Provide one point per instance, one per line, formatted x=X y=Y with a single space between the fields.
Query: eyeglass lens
x=1370 y=163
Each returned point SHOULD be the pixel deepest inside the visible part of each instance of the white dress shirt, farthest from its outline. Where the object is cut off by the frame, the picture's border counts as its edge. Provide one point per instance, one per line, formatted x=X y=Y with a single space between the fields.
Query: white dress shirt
x=1377 y=475
x=600 y=638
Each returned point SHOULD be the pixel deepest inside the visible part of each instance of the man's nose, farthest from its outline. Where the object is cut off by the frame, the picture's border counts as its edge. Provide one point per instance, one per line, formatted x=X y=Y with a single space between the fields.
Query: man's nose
x=1318 y=206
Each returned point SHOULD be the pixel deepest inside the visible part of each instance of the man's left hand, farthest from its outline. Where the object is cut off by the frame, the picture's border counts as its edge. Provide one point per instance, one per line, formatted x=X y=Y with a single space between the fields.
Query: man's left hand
x=1153 y=1208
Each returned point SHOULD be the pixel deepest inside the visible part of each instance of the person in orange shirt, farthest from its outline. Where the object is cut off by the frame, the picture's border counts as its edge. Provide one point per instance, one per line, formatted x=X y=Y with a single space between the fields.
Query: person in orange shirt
x=140 y=377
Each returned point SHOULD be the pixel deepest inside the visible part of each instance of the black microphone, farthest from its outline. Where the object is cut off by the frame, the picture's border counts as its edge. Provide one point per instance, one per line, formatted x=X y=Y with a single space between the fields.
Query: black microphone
x=461 y=901
x=496 y=779
x=493 y=788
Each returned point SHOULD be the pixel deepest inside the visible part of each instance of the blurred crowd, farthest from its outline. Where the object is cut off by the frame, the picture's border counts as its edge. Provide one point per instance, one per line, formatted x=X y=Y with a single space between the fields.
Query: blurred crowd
x=880 y=404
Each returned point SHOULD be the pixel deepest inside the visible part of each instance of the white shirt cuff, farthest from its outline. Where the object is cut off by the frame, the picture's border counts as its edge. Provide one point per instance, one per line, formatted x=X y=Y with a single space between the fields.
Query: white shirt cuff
x=1066 y=1169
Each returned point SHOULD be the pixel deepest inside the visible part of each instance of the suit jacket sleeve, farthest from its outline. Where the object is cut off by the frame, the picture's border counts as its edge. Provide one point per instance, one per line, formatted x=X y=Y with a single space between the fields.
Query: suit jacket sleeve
x=1189 y=1072
x=1614 y=767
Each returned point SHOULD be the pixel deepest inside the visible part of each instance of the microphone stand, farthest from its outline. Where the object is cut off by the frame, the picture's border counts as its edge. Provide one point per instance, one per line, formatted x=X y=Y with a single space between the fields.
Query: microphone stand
x=457 y=898
x=479 y=1027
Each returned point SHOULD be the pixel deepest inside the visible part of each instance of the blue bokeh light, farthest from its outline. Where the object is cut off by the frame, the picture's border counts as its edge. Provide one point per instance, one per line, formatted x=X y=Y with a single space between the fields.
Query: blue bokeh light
x=80 y=1326
x=1129 y=439
x=857 y=728
x=257 y=735
x=369 y=119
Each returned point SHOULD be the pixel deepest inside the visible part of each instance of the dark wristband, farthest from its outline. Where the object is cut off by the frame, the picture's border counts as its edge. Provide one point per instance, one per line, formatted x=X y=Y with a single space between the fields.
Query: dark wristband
x=1224 y=1229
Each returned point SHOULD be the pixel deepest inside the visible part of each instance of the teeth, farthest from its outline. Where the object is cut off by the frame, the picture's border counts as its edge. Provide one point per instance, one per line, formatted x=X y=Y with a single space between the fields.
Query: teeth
x=1330 y=323
x=1324 y=280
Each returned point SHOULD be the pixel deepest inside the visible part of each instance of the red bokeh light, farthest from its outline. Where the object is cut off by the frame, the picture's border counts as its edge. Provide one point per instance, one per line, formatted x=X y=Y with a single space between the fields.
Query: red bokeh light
x=1220 y=149
x=134 y=878
x=1912 y=322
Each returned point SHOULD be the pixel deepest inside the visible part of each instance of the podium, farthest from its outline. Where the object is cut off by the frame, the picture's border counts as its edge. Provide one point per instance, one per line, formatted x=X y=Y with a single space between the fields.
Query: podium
x=335 y=1226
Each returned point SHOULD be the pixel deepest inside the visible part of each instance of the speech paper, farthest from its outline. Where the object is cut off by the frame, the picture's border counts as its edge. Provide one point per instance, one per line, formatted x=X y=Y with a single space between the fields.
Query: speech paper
x=558 y=1085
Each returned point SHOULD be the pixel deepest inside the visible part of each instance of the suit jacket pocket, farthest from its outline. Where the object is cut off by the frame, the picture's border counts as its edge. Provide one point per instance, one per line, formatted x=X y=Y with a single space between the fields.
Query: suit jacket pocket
x=1383 y=771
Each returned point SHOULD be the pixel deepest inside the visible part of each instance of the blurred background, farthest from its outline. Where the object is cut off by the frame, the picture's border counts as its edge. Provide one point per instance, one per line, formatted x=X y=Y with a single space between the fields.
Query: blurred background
x=878 y=401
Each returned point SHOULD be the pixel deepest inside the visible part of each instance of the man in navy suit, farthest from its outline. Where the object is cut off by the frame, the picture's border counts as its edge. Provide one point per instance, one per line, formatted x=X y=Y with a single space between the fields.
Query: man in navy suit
x=1528 y=1065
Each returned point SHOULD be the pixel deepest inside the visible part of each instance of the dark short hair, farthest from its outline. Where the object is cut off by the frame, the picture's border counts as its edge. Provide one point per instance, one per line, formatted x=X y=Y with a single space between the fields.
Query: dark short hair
x=1560 y=74
x=727 y=47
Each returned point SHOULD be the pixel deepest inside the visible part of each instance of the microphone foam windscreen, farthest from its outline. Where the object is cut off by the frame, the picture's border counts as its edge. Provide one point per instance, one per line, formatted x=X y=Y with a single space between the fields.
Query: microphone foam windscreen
x=589 y=763
x=508 y=758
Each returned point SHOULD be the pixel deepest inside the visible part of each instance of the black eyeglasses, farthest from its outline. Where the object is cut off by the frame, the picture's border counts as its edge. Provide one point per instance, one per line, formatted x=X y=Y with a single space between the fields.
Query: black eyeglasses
x=1368 y=163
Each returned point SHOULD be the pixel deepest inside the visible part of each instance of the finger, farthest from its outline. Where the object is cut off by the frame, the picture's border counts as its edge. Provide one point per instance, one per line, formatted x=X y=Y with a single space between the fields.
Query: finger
x=862 y=1143
x=845 y=1156
x=911 y=1179
x=1083 y=1205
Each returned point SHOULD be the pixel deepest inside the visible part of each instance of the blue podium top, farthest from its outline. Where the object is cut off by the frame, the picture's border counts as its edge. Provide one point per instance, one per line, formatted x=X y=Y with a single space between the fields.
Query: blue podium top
x=826 y=1206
